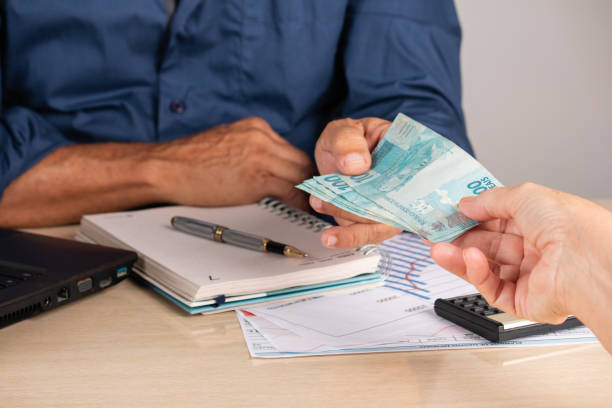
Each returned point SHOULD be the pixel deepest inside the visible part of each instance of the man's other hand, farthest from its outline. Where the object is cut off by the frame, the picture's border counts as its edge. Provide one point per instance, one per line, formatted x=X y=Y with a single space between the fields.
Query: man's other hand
x=345 y=146
x=232 y=164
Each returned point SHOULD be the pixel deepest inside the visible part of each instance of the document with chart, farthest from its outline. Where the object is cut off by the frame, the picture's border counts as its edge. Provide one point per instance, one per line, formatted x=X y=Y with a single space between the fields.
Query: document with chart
x=398 y=316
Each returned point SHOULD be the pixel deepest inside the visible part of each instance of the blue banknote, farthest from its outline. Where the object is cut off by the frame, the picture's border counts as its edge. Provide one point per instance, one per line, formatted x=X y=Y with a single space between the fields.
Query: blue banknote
x=343 y=196
x=416 y=181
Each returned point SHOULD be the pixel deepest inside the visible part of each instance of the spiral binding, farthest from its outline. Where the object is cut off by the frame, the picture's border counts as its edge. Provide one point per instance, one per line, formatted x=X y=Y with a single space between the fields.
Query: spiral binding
x=293 y=215
x=315 y=224
x=385 y=263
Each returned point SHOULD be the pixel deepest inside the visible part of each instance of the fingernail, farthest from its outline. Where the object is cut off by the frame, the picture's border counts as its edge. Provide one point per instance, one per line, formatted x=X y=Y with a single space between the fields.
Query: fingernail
x=331 y=241
x=316 y=203
x=353 y=160
x=467 y=201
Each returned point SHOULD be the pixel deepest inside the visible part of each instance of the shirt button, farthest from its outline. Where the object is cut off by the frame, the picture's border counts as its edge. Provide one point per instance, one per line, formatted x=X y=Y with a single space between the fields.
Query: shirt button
x=177 y=106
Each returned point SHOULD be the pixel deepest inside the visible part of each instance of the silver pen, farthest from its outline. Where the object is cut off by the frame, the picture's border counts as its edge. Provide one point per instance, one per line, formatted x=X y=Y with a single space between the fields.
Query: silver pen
x=226 y=235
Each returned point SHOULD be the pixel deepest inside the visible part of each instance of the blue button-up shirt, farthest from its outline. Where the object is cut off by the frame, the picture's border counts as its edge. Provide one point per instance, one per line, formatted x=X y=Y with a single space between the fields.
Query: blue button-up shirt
x=78 y=71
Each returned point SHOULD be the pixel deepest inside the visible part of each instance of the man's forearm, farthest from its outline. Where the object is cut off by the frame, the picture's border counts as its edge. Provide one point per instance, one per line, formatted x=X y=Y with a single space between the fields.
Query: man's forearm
x=80 y=179
x=232 y=164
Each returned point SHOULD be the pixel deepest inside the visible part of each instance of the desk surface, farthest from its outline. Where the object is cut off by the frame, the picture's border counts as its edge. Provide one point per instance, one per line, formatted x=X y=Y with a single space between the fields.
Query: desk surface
x=128 y=347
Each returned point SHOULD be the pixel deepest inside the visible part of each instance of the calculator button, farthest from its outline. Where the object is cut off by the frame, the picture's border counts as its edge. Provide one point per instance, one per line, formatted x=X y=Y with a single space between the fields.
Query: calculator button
x=488 y=312
x=468 y=305
x=471 y=298
x=477 y=309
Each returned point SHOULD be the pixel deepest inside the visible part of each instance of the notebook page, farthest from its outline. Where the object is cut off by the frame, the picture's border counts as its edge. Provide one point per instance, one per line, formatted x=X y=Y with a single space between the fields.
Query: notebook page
x=201 y=268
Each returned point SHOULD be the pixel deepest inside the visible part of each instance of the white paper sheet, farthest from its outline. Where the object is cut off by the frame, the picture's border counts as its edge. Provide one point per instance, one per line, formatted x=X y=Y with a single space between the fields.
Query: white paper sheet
x=396 y=317
x=261 y=347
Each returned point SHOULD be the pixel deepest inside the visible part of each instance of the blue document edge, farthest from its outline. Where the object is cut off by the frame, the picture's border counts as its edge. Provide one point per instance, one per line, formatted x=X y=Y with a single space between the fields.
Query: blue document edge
x=271 y=295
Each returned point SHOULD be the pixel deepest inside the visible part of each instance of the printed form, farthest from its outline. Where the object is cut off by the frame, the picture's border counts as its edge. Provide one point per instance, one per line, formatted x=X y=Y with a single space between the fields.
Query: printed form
x=398 y=316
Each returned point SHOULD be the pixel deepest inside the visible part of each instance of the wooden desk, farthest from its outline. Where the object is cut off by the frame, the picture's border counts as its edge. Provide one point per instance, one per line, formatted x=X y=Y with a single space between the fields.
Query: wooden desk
x=128 y=347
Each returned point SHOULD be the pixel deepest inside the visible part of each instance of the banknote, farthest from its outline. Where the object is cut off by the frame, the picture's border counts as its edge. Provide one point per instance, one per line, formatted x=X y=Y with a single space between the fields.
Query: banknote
x=343 y=196
x=416 y=181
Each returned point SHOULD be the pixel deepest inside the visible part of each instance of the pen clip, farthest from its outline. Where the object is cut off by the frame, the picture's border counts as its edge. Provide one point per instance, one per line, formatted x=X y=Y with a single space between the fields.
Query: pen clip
x=219 y=300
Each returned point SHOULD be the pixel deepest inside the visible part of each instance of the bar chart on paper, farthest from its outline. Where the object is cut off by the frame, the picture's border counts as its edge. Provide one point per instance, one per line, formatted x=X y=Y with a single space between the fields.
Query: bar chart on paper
x=409 y=272
x=371 y=315
x=397 y=316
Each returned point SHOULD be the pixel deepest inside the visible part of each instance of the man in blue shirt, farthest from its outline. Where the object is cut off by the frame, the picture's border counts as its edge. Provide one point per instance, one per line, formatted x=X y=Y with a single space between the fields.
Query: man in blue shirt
x=109 y=105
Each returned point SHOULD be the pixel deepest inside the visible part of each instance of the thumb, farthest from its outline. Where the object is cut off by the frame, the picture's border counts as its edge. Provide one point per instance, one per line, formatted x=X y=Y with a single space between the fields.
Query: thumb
x=499 y=202
x=532 y=208
x=343 y=147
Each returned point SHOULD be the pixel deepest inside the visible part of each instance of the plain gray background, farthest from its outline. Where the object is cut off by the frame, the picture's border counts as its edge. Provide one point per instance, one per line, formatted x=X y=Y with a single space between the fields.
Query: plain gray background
x=537 y=89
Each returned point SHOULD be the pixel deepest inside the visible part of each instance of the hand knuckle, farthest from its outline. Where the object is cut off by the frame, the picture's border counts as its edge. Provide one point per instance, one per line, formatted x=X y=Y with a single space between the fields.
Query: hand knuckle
x=528 y=188
x=353 y=240
x=346 y=122
x=256 y=122
x=368 y=235
x=257 y=135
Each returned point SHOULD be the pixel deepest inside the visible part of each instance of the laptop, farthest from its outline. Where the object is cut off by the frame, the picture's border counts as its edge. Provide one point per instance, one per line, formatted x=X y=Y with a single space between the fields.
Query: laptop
x=39 y=273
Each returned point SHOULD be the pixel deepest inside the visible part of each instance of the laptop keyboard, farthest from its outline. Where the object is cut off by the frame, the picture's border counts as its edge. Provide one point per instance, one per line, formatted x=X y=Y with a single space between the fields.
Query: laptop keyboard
x=14 y=275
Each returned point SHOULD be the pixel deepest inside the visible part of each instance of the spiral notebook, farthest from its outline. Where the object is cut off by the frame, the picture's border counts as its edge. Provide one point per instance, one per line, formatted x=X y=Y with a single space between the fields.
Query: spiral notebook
x=203 y=276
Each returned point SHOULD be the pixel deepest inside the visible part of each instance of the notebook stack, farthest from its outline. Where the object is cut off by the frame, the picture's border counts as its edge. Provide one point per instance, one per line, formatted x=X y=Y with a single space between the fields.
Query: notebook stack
x=204 y=276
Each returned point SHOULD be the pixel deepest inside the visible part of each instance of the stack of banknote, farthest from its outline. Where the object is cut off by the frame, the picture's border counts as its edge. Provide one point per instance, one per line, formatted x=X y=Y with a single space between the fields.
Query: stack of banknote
x=416 y=181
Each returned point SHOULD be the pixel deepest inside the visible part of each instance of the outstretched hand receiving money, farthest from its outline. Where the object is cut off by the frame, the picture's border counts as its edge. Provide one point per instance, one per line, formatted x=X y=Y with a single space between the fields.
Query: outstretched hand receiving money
x=415 y=182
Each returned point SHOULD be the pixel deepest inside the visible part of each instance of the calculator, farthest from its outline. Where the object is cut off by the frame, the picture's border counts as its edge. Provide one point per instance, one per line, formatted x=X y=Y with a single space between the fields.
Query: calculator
x=475 y=314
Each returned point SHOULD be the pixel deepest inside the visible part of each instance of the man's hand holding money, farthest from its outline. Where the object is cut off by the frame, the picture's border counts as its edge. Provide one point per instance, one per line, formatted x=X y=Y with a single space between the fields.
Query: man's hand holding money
x=345 y=146
x=388 y=178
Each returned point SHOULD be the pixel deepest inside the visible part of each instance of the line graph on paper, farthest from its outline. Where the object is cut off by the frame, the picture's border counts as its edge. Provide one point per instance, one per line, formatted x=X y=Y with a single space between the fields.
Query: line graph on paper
x=413 y=272
x=397 y=316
